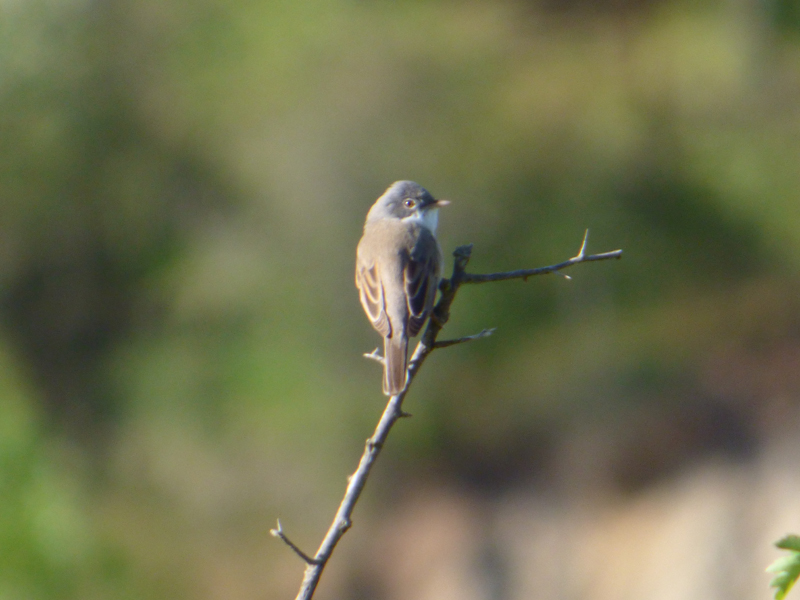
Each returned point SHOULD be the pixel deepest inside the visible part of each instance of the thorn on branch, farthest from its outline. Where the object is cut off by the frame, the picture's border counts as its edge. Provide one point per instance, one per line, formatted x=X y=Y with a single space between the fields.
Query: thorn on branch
x=278 y=533
x=404 y=415
x=582 y=252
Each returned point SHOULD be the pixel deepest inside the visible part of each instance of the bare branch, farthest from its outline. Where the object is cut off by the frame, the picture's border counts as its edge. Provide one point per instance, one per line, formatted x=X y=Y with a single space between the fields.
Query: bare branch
x=461 y=340
x=393 y=411
x=355 y=484
x=525 y=273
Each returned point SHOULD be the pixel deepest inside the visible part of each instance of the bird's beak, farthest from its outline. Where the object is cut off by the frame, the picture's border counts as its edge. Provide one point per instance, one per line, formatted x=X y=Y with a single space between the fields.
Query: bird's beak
x=438 y=203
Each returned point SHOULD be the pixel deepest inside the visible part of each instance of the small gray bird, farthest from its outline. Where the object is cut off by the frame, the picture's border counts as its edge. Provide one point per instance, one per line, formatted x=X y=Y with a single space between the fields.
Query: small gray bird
x=398 y=267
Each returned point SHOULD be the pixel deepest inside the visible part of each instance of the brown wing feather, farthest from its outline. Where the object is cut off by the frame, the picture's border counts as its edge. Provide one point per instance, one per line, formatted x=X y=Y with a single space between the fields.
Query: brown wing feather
x=370 y=290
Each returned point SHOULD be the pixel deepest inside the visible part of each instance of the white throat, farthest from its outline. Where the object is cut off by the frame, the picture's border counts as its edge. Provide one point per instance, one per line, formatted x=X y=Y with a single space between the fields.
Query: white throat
x=429 y=219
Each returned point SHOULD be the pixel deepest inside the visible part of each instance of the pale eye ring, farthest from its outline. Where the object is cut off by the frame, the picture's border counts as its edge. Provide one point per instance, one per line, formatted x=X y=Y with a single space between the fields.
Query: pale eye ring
x=409 y=203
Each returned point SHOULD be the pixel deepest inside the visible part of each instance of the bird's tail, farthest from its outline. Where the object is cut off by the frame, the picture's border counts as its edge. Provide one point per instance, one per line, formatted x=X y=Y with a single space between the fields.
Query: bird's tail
x=395 y=351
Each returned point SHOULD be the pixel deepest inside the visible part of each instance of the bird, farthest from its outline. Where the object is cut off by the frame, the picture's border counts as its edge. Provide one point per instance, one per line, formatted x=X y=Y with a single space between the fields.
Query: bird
x=398 y=268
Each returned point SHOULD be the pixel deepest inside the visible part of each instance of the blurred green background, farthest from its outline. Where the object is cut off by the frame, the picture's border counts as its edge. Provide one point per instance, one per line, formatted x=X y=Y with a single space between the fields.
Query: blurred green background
x=182 y=188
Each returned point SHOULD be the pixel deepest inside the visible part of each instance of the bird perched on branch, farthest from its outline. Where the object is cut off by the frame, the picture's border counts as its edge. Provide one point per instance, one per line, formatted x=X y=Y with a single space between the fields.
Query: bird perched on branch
x=398 y=267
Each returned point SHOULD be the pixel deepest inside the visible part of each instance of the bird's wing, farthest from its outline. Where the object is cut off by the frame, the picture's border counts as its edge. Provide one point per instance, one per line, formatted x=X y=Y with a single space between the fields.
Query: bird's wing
x=421 y=275
x=368 y=282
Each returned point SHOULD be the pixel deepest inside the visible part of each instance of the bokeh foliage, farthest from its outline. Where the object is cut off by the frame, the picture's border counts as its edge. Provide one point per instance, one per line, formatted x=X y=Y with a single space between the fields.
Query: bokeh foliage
x=183 y=186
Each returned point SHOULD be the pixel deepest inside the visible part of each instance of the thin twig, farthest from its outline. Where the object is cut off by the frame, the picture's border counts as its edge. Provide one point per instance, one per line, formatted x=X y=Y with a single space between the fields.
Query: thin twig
x=278 y=533
x=461 y=340
x=525 y=273
x=393 y=411
x=374 y=355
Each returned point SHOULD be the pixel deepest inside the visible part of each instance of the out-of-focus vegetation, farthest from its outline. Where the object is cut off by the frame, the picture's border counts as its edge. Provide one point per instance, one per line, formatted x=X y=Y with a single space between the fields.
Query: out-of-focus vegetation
x=182 y=188
x=786 y=568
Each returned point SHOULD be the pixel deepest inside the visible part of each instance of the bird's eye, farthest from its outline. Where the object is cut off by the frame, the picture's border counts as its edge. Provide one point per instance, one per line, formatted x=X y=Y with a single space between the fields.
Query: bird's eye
x=409 y=203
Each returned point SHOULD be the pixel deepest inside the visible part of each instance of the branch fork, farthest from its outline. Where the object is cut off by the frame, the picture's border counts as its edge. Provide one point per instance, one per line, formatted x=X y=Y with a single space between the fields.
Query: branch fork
x=427 y=344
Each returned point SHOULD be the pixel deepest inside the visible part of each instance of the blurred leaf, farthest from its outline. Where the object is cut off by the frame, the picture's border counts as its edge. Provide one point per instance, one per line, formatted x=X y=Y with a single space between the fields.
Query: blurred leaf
x=786 y=567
